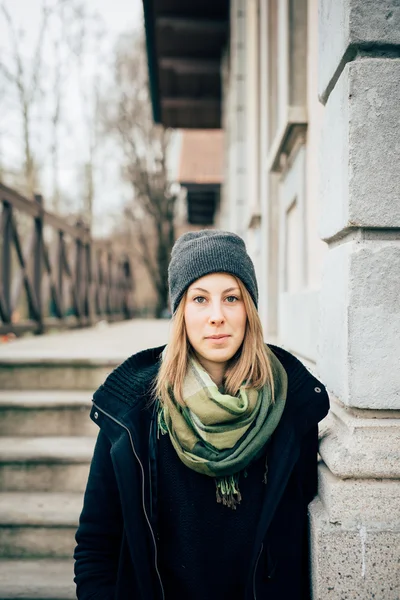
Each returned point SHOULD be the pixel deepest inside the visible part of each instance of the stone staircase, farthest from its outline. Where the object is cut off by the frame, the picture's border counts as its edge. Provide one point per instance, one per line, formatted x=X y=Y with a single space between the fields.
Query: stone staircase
x=46 y=444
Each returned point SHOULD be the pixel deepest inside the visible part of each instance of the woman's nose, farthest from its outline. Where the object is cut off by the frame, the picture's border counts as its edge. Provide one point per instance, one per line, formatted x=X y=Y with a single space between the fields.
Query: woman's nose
x=216 y=314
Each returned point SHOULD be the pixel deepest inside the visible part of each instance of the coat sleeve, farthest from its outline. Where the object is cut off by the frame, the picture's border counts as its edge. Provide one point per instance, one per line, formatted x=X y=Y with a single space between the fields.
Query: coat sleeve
x=309 y=464
x=100 y=529
x=308 y=473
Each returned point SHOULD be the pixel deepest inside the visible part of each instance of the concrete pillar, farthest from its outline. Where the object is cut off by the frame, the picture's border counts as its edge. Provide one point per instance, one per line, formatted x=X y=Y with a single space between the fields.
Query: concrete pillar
x=236 y=121
x=355 y=521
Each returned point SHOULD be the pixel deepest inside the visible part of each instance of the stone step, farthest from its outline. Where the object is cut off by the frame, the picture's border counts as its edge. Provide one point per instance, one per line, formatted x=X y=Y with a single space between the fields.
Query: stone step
x=37 y=579
x=52 y=374
x=50 y=464
x=34 y=525
x=46 y=413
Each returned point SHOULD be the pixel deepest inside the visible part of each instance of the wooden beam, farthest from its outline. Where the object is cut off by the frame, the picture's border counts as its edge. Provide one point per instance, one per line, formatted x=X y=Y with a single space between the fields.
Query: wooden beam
x=188 y=66
x=202 y=214
x=192 y=103
x=188 y=25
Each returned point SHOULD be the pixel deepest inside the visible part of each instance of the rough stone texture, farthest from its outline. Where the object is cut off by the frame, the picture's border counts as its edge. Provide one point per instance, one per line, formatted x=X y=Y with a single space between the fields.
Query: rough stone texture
x=57 y=450
x=299 y=335
x=46 y=445
x=46 y=413
x=346 y=24
x=357 y=447
x=45 y=464
x=25 y=580
x=60 y=375
x=38 y=525
x=102 y=344
x=37 y=542
x=39 y=399
x=353 y=501
x=334 y=161
x=333 y=332
x=360 y=149
x=353 y=563
x=360 y=324
x=76 y=360
x=47 y=509
x=374 y=325
x=355 y=523
x=43 y=477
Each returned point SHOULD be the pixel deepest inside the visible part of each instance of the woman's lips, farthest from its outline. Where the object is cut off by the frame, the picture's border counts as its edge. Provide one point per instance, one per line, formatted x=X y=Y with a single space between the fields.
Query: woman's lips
x=218 y=338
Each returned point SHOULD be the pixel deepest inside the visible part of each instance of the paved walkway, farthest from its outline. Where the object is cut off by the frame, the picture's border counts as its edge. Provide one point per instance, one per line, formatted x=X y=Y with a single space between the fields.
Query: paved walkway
x=101 y=343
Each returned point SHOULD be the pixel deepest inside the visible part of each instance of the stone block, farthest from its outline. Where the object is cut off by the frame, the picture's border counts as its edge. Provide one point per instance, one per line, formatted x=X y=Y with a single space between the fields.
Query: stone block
x=49 y=375
x=38 y=542
x=42 y=579
x=299 y=335
x=352 y=501
x=28 y=414
x=333 y=345
x=360 y=149
x=360 y=324
x=43 y=477
x=347 y=25
x=40 y=510
x=355 y=446
x=352 y=563
x=45 y=464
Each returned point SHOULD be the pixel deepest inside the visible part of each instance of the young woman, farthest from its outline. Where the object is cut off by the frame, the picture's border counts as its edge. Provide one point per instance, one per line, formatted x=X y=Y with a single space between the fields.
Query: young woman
x=206 y=457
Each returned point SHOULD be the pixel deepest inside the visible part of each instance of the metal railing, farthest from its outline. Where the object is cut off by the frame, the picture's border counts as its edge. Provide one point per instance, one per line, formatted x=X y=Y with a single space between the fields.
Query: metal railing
x=54 y=274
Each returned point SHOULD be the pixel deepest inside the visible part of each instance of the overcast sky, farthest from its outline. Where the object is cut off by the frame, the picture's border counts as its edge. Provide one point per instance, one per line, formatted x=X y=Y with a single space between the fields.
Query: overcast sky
x=118 y=16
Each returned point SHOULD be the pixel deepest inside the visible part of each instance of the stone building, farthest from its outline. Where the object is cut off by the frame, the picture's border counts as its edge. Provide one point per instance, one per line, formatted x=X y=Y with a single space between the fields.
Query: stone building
x=308 y=96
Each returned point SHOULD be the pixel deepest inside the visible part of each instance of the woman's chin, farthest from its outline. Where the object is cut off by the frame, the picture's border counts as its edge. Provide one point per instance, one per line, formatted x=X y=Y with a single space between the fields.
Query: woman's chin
x=218 y=355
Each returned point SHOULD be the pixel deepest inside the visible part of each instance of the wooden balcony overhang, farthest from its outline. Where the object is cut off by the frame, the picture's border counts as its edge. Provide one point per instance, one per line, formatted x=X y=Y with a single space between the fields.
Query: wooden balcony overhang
x=184 y=41
x=202 y=202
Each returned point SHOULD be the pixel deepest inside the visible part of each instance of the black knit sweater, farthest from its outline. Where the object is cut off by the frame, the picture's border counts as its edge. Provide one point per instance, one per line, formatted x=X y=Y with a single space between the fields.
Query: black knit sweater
x=204 y=547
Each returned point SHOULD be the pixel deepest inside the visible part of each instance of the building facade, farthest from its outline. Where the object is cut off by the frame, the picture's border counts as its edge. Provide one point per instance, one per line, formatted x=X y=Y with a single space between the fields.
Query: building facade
x=309 y=101
x=311 y=107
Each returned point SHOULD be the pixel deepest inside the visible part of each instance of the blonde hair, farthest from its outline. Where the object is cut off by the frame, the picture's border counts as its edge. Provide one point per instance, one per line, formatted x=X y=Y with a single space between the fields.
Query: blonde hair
x=250 y=364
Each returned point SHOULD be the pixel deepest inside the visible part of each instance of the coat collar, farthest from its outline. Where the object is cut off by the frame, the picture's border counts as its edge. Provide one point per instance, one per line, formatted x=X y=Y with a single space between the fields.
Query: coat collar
x=128 y=388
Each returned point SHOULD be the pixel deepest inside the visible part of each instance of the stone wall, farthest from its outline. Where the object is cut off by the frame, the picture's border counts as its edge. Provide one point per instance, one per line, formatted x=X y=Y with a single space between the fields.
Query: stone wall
x=355 y=522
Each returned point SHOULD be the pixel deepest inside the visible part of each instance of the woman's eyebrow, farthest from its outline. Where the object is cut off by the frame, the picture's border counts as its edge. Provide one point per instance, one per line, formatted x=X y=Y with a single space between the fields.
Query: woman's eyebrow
x=231 y=289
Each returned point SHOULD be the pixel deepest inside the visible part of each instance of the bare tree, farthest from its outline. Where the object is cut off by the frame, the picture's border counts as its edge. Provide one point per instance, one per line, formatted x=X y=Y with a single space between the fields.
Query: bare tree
x=27 y=88
x=63 y=24
x=145 y=153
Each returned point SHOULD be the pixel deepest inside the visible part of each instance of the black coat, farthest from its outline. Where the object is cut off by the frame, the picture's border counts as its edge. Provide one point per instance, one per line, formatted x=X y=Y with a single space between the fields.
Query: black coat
x=116 y=552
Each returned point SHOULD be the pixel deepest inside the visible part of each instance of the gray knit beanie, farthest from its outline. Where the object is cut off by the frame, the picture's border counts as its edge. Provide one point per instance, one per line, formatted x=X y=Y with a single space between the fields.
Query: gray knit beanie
x=198 y=253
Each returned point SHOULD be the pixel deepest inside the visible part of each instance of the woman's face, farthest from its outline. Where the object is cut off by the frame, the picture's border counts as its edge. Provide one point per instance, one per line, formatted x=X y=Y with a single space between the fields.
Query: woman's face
x=215 y=318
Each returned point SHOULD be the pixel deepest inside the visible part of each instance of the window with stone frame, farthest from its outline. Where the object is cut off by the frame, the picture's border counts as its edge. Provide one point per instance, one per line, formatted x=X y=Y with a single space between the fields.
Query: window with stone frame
x=287 y=77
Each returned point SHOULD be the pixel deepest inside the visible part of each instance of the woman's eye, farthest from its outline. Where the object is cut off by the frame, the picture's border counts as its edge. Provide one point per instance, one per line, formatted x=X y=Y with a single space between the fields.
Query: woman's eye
x=199 y=299
x=232 y=299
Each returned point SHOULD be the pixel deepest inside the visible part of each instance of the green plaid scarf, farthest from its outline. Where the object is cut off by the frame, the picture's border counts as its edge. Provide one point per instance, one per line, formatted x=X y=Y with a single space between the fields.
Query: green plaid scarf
x=220 y=435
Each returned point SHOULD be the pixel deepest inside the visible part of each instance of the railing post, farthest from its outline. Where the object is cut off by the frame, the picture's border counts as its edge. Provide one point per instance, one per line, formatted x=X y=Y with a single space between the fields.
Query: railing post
x=38 y=263
x=6 y=233
x=60 y=267
x=109 y=280
x=126 y=287
x=88 y=276
x=79 y=270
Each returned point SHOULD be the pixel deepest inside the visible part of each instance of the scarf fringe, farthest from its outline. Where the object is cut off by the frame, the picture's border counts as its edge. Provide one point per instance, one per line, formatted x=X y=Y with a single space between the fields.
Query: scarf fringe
x=227 y=491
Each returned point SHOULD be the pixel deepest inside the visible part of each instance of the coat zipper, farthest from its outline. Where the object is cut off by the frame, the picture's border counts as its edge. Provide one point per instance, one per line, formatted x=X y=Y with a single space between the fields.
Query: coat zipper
x=254 y=574
x=143 y=501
